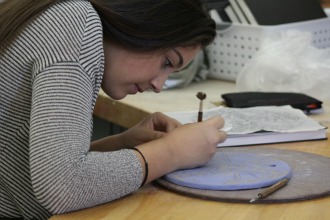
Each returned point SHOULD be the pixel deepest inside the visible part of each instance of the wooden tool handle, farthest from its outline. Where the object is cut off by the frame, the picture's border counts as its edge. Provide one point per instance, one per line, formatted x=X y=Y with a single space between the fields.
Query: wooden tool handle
x=200 y=116
x=273 y=188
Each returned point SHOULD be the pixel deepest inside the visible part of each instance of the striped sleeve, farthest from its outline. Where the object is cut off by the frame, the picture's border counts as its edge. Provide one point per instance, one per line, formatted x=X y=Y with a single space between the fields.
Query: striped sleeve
x=65 y=175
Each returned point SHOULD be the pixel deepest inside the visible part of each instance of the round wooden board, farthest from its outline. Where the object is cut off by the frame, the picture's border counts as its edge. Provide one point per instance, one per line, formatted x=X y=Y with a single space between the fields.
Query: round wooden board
x=310 y=179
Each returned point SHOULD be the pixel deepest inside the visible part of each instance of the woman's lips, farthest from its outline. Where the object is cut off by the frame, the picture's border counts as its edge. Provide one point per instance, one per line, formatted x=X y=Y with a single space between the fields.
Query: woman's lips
x=139 y=89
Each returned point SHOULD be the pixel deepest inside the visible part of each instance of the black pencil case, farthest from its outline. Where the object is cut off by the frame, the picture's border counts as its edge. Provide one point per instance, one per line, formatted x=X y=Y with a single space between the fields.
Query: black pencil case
x=252 y=99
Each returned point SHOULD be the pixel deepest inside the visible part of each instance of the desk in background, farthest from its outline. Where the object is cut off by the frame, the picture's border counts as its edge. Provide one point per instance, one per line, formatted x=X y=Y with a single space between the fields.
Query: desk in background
x=133 y=108
x=325 y=3
x=153 y=202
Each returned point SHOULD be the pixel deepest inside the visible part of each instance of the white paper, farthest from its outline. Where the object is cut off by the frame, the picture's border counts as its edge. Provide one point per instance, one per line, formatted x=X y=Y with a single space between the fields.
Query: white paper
x=250 y=120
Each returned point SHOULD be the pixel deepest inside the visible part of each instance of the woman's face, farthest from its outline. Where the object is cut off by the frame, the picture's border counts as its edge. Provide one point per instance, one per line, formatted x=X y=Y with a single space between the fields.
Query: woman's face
x=129 y=72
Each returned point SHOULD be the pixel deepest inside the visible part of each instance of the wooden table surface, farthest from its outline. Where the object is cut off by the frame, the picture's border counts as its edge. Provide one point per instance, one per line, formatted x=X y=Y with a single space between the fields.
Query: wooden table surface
x=153 y=202
x=325 y=3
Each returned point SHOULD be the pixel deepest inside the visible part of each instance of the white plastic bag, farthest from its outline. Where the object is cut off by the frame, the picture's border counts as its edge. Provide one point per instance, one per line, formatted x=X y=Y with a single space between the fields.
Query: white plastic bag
x=288 y=63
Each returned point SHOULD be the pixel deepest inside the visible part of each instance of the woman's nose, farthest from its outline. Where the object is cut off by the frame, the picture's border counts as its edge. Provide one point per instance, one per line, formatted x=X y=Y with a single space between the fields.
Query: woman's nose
x=158 y=82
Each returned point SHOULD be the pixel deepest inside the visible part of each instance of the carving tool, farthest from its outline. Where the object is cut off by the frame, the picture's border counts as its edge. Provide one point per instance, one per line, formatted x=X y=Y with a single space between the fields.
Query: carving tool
x=270 y=190
x=201 y=96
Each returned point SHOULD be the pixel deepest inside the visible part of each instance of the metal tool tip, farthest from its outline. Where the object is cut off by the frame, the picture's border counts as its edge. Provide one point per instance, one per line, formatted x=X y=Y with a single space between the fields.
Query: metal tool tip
x=254 y=199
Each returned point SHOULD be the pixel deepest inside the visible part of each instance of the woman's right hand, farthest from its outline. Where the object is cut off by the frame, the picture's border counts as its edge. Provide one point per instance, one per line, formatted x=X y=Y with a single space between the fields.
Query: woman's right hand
x=193 y=145
x=186 y=146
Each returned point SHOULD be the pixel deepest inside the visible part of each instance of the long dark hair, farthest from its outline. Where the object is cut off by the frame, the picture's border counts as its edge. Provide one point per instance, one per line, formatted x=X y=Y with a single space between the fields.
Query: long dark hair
x=138 y=24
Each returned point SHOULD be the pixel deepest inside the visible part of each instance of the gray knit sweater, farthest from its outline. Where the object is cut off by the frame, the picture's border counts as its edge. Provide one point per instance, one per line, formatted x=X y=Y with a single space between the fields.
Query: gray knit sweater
x=49 y=80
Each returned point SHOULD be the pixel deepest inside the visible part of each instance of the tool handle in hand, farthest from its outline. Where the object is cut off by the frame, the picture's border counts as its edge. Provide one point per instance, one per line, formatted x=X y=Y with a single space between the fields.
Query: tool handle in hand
x=200 y=116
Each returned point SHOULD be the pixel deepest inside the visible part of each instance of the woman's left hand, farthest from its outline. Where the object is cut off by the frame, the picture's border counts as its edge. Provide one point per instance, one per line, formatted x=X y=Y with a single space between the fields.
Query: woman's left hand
x=154 y=126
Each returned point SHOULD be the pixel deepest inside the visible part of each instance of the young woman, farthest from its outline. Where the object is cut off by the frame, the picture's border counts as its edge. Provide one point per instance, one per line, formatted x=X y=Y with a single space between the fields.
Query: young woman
x=55 y=55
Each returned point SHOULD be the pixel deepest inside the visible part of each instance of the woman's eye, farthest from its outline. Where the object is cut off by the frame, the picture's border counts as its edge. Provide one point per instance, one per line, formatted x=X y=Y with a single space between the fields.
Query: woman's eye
x=168 y=63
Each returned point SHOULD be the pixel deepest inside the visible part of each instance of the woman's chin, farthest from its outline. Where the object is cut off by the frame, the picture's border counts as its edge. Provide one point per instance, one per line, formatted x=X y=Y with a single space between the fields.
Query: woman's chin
x=116 y=96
